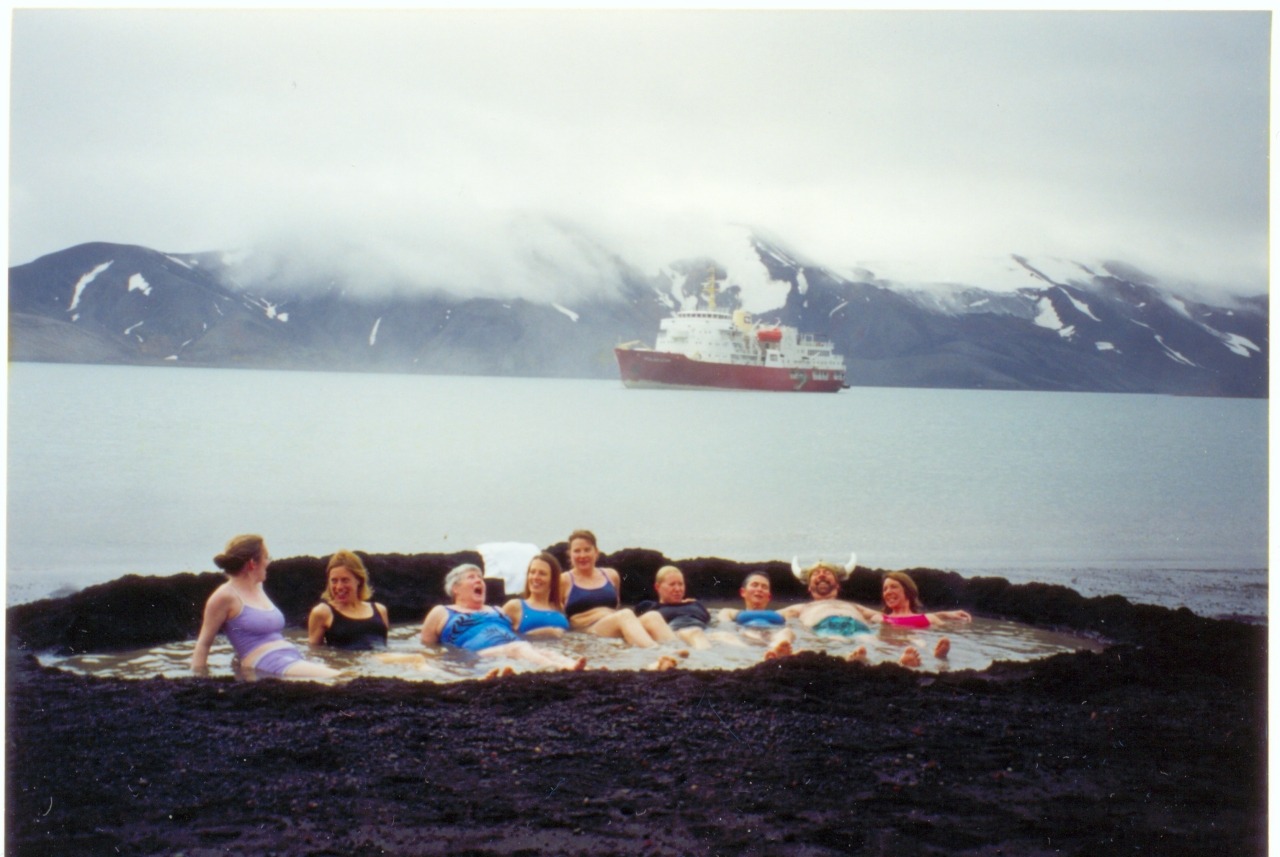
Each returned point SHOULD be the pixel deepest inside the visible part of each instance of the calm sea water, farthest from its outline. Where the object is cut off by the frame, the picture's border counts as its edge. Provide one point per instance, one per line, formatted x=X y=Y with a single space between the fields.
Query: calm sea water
x=114 y=470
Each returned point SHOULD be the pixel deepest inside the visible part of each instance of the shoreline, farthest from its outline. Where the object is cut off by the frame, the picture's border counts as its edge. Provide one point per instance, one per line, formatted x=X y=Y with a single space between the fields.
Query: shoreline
x=1156 y=744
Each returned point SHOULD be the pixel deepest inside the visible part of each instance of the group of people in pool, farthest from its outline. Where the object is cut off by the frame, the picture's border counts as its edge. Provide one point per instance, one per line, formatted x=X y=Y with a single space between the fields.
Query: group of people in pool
x=584 y=598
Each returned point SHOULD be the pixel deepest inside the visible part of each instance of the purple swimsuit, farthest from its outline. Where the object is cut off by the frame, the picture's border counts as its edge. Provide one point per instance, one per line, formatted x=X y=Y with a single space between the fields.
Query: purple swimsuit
x=255 y=626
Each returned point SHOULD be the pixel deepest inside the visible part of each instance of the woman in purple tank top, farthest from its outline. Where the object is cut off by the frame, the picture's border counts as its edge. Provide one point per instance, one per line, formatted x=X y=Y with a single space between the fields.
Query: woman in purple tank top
x=241 y=609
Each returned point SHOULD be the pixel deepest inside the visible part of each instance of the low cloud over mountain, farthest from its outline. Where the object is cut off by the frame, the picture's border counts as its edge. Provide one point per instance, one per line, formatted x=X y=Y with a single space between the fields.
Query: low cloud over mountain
x=1042 y=324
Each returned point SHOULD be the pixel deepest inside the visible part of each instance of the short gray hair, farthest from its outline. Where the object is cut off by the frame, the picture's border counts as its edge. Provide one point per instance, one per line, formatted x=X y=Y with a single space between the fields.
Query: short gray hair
x=457 y=573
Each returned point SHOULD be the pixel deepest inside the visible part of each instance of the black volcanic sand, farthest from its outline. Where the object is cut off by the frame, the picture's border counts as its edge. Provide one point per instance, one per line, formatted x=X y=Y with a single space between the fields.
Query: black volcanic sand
x=1155 y=746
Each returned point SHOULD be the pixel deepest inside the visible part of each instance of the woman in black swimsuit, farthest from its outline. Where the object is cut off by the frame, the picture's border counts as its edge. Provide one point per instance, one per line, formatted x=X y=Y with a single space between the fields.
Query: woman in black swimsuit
x=346 y=618
x=593 y=600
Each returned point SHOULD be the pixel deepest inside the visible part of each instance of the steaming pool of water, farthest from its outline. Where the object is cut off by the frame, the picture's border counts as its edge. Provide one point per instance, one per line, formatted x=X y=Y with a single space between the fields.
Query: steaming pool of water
x=974 y=645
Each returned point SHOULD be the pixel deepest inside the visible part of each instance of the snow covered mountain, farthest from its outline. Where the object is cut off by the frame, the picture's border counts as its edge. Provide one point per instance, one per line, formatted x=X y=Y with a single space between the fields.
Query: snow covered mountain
x=1040 y=324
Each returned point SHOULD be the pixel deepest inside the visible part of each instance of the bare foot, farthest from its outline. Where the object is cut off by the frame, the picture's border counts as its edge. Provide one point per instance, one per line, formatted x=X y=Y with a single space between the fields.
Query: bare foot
x=858 y=655
x=943 y=647
x=910 y=658
x=498 y=672
x=683 y=653
x=579 y=665
x=664 y=663
x=780 y=649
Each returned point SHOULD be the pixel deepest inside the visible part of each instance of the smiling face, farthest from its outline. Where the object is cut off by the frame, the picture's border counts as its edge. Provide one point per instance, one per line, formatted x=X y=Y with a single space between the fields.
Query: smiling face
x=756 y=592
x=344 y=588
x=582 y=553
x=468 y=591
x=671 y=587
x=899 y=596
x=538 y=578
x=823 y=584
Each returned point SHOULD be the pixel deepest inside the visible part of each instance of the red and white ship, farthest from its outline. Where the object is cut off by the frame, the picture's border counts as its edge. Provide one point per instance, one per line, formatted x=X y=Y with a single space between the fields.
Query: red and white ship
x=715 y=348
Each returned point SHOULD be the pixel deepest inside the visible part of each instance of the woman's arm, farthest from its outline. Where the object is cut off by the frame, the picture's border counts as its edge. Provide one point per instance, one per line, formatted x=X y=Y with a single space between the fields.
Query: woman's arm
x=515 y=612
x=950 y=616
x=868 y=615
x=215 y=614
x=433 y=625
x=320 y=620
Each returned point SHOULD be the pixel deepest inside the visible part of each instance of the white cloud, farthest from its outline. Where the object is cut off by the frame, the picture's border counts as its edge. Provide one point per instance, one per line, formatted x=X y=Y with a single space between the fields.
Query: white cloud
x=431 y=136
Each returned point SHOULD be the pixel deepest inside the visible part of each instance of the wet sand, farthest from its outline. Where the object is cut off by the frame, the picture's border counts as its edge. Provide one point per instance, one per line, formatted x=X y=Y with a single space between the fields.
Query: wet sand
x=1153 y=746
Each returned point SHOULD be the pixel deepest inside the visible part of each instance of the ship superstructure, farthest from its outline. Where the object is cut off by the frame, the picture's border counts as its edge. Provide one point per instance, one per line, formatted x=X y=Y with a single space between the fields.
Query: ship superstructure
x=713 y=347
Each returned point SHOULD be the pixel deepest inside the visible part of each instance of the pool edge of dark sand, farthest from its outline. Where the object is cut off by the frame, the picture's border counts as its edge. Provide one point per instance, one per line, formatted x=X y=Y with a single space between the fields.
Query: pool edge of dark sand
x=1156 y=745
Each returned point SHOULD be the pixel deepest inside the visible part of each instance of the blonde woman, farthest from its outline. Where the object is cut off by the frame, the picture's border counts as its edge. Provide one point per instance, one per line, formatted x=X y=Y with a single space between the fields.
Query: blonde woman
x=539 y=611
x=346 y=617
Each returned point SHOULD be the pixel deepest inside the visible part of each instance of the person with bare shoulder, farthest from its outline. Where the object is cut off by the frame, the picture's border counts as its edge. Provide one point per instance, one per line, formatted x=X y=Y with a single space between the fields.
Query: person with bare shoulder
x=902 y=608
x=241 y=609
x=593 y=599
x=346 y=617
x=470 y=624
x=685 y=616
x=539 y=611
x=828 y=615
x=755 y=619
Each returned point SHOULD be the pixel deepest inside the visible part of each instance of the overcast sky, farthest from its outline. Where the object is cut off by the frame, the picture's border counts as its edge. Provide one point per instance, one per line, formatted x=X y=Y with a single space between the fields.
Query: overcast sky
x=444 y=137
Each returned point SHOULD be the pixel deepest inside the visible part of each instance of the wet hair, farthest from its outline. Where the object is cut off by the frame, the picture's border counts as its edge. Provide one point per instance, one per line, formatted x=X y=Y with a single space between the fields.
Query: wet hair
x=839 y=571
x=759 y=574
x=585 y=535
x=553 y=593
x=665 y=572
x=908 y=586
x=240 y=551
x=346 y=559
x=457 y=573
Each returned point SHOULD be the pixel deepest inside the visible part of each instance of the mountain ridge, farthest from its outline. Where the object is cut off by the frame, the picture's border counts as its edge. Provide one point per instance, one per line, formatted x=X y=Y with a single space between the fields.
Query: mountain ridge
x=1074 y=327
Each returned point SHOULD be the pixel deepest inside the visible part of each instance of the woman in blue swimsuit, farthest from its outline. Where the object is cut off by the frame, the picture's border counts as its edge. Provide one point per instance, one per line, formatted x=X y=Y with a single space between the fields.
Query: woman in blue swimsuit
x=470 y=624
x=241 y=609
x=593 y=604
x=539 y=611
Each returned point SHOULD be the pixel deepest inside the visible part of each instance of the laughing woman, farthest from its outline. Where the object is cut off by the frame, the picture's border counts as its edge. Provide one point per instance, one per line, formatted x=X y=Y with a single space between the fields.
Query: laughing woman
x=593 y=599
x=346 y=618
x=241 y=609
x=901 y=601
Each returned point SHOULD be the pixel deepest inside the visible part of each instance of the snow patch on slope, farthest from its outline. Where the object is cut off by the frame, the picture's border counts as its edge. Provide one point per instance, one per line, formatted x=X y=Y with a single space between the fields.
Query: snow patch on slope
x=1047 y=317
x=83 y=282
x=1080 y=305
x=138 y=283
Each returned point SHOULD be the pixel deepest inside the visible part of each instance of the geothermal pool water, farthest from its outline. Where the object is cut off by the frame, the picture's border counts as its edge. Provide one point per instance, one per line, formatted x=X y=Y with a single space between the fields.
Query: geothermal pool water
x=974 y=645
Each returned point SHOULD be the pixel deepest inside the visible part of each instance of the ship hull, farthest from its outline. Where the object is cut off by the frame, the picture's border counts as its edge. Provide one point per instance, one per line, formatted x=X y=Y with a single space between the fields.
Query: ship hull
x=642 y=368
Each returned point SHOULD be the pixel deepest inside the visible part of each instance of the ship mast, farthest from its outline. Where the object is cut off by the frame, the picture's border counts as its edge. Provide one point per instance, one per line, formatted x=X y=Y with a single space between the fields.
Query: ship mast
x=710 y=288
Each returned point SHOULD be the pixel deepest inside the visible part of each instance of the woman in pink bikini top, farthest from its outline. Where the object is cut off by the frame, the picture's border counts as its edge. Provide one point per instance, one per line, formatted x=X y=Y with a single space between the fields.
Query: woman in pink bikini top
x=902 y=605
